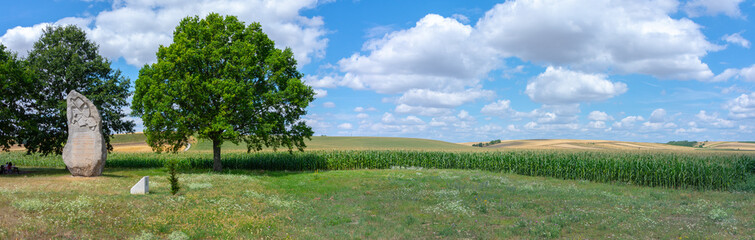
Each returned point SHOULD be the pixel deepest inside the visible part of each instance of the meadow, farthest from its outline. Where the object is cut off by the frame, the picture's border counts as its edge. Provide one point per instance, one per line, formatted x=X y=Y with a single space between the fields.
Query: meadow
x=406 y=189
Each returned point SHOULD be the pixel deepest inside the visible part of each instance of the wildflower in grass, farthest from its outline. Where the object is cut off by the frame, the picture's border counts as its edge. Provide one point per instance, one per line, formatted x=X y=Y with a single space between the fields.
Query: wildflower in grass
x=178 y=235
x=273 y=200
x=452 y=207
x=717 y=214
x=30 y=205
x=145 y=236
x=82 y=202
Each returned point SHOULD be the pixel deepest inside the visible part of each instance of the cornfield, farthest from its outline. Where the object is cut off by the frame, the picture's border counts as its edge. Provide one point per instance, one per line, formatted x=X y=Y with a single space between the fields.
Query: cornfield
x=717 y=171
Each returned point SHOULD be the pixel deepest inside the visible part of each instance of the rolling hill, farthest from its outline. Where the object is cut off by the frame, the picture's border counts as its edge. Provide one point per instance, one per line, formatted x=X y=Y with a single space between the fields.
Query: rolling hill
x=612 y=145
x=136 y=142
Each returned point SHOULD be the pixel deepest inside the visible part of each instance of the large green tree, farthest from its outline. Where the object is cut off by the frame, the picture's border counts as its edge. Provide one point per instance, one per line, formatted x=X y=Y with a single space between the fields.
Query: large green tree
x=222 y=80
x=63 y=59
x=15 y=86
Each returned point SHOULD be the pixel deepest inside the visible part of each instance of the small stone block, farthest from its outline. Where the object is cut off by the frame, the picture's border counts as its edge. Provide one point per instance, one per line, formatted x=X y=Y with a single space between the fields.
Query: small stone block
x=142 y=187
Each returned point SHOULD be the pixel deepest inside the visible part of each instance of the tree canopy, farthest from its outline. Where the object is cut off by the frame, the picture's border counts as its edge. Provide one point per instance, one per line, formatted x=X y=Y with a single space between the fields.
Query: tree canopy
x=63 y=59
x=222 y=80
x=15 y=85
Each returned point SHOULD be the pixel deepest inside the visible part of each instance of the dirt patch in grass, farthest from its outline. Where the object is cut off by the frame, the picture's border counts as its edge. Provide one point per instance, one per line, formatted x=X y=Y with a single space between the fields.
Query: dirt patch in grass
x=70 y=178
x=9 y=216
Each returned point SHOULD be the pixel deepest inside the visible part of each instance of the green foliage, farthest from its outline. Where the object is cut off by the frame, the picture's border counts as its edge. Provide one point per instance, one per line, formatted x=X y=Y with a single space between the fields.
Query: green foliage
x=656 y=169
x=172 y=167
x=683 y=143
x=63 y=59
x=492 y=142
x=15 y=84
x=223 y=81
x=748 y=185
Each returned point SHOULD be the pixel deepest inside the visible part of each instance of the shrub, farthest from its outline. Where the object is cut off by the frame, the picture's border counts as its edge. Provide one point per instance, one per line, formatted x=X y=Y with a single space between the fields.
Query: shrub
x=172 y=166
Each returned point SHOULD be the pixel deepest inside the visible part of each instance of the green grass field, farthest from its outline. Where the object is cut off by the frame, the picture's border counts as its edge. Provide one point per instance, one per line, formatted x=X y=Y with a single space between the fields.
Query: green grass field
x=411 y=189
x=356 y=204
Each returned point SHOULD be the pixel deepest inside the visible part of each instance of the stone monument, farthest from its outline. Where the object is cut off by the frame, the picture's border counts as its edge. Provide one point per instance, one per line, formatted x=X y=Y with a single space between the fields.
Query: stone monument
x=85 y=151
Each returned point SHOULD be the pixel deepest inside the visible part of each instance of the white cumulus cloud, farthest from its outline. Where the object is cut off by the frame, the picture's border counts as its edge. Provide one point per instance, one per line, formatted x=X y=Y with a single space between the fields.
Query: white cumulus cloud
x=345 y=126
x=599 y=116
x=423 y=111
x=623 y=36
x=562 y=86
x=596 y=124
x=430 y=98
x=736 y=38
x=598 y=119
x=696 y=8
x=437 y=54
x=435 y=66
x=742 y=106
x=712 y=120
x=744 y=74
x=320 y=93
x=320 y=82
x=658 y=116
x=498 y=108
x=388 y=118
x=628 y=122
x=133 y=29
x=21 y=39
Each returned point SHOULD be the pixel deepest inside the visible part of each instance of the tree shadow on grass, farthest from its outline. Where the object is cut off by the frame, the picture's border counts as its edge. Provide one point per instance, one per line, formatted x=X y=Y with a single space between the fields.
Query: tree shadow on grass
x=35 y=171
x=49 y=171
x=249 y=172
x=110 y=175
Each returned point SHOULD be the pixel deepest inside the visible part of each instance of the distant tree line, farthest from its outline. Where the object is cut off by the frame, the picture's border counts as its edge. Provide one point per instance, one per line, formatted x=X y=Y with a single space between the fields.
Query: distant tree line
x=497 y=141
x=684 y=143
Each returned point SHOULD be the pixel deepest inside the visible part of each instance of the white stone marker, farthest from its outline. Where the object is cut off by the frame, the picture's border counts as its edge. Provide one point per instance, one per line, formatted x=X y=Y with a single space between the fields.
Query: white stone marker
x=142 y=187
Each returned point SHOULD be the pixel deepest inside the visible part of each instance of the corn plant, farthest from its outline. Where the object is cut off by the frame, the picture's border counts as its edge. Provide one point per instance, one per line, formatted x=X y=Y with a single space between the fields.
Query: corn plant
x=700 y=170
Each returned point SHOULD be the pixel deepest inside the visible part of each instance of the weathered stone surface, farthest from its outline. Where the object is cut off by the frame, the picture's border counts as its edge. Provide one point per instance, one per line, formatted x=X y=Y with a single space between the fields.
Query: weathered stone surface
x=85 y=151
x=141 y=187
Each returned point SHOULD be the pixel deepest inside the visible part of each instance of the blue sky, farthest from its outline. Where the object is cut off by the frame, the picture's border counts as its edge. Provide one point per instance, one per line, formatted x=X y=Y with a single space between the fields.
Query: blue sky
x=463 y=71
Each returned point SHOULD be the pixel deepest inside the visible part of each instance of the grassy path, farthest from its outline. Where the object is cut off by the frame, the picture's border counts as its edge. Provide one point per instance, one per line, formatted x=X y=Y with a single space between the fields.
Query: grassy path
x=393 y=203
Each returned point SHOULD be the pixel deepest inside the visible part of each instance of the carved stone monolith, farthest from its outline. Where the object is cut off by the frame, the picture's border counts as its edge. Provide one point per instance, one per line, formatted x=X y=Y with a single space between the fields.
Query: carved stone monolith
x=85 y=151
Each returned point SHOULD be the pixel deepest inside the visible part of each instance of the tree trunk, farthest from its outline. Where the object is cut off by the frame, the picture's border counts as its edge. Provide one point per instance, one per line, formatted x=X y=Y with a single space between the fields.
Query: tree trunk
x=216 y=164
